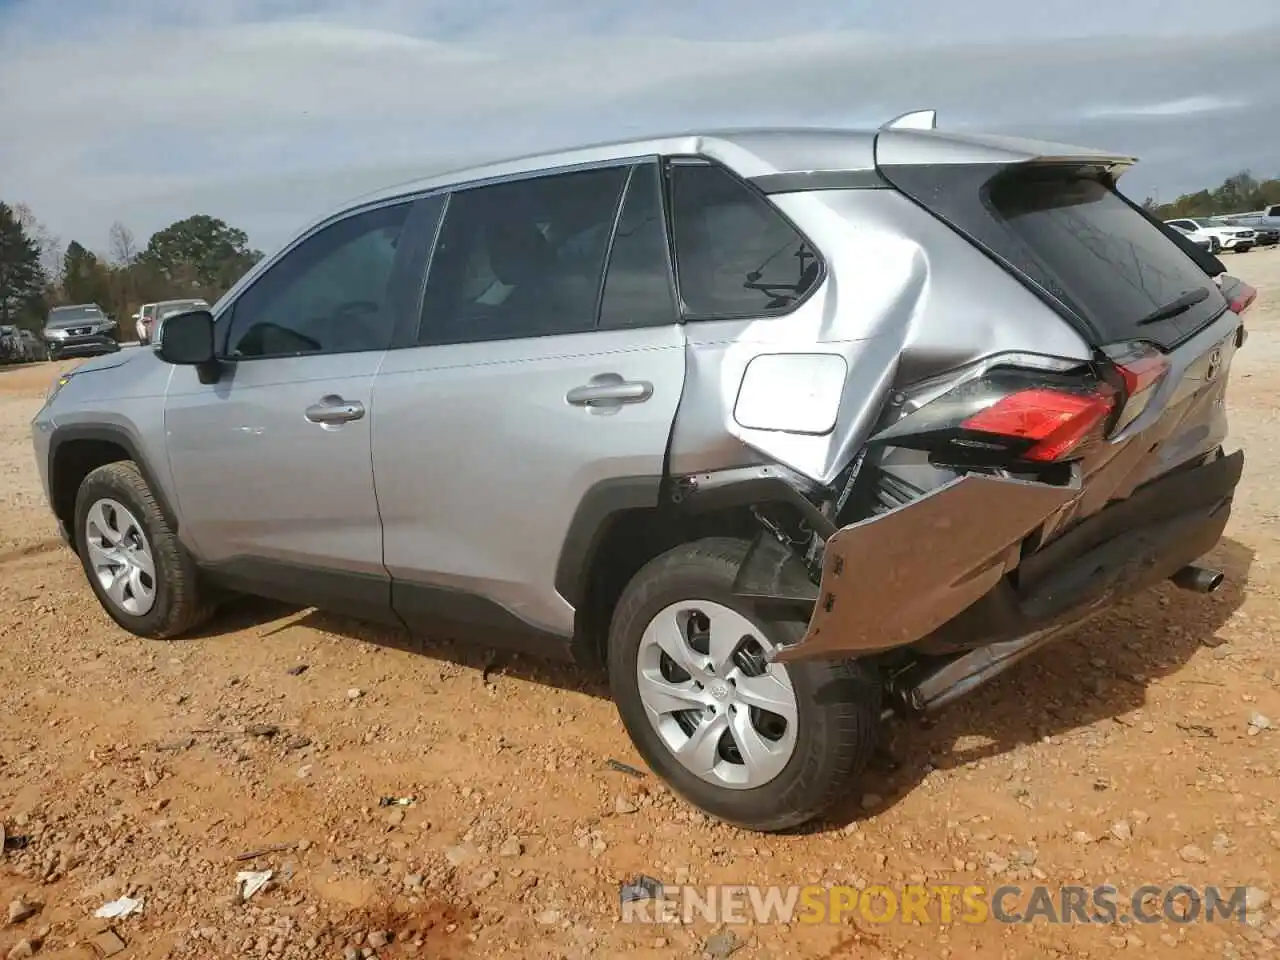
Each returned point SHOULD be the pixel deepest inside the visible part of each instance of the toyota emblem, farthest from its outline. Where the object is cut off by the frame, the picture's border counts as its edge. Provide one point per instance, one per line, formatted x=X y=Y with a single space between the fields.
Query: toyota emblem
x=1215 y=363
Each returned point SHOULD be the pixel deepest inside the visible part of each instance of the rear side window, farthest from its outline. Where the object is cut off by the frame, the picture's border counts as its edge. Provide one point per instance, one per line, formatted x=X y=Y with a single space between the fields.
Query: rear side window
x=1075 y=238
x=736 y=255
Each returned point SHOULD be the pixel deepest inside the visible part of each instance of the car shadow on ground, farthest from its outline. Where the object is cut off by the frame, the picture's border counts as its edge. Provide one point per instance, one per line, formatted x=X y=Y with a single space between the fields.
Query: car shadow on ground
x=1101 y=671
x=1098 y=672
x=245 y=613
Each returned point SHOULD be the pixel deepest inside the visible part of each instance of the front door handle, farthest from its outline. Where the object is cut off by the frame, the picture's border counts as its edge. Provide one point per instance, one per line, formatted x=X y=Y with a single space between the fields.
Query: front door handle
x=333 y=410
x=609 y=390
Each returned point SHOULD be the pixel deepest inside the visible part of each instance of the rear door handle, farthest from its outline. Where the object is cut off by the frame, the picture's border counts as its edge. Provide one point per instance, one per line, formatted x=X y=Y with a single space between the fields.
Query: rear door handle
x=333 y=410
x=609 y=390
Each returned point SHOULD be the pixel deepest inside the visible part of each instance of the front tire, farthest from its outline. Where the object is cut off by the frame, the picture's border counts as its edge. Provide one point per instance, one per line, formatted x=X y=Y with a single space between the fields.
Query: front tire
x=141 y=574
x=764 y=746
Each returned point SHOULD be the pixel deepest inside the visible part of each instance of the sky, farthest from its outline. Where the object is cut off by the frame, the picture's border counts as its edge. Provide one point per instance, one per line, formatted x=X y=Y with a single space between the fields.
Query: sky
x=268 y=113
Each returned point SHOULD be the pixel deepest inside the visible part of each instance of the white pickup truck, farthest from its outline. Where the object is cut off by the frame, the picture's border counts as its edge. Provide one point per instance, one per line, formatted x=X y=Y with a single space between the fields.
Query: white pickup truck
x=1266 y=222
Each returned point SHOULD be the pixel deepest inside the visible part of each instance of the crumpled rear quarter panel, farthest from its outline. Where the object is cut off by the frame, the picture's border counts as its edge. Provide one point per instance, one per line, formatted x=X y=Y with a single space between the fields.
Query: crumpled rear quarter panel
x=904 y=298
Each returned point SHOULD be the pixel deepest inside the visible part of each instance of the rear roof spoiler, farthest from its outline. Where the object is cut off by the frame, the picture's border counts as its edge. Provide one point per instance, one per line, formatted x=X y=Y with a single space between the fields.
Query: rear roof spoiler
x=915 y=120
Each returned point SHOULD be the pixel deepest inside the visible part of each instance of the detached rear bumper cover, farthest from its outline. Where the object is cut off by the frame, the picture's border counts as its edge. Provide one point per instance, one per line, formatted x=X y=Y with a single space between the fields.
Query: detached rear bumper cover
x=894 y=579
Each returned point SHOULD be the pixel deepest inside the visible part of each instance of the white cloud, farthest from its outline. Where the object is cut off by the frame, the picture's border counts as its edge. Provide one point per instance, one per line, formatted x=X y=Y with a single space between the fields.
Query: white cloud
x=1167 y=108
x=267 y=112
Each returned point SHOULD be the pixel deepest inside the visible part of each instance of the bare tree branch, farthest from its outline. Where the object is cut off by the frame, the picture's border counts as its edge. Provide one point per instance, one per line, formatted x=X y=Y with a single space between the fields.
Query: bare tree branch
x=124 y=249
x=49 y=247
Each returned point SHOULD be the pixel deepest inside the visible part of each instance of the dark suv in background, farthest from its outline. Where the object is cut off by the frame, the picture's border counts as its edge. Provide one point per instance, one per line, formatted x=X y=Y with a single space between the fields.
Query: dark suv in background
x=79 y=331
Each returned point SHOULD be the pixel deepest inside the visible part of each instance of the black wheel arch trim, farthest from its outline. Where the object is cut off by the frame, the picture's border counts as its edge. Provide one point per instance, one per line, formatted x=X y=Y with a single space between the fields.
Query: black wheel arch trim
x=610 y=499
x=600 y=506
x=120 y=437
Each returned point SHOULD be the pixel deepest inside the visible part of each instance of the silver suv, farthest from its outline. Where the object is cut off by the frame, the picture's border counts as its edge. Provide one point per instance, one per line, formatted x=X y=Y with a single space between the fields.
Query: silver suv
x=785 y=428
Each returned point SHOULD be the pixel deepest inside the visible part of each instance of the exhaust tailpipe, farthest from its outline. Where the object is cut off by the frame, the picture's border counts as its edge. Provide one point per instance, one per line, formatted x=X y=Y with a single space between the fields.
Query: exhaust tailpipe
x=1198 y=579
x=929 y=686
x=933 y=683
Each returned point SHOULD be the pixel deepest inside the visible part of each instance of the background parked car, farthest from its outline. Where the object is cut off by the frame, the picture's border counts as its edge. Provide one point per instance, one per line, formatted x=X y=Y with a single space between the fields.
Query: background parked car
x=8 y=343
x=20 y=346
x=1237 y=239
x=1205 y=241
x=146 y=313
x=82 y=330
x=31 y=347
x=150 y=315
x=1266 y=230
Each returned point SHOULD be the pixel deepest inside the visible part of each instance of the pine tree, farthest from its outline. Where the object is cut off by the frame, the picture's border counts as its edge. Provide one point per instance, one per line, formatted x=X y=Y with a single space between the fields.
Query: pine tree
x=21 y=276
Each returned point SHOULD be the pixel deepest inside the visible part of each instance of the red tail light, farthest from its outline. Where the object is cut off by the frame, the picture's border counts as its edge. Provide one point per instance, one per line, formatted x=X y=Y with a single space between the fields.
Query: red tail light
x=1243 y=298
x=1056 y=421
x=1143 y=372
x=1139 y=368
x=1009 y=416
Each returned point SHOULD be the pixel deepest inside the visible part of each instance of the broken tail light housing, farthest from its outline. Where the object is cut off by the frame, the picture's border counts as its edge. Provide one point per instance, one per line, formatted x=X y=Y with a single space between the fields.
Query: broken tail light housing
x=1136 y=370
x=1010 y=417
x=1240 y=295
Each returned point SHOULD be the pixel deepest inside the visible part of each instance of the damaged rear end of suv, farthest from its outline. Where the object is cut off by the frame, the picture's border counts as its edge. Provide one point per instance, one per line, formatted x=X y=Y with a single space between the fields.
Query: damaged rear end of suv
x=1009 y=416
x=791 y=428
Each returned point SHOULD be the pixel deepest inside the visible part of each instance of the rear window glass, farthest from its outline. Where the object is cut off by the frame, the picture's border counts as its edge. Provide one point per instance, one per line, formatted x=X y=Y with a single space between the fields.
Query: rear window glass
x=1081 y=242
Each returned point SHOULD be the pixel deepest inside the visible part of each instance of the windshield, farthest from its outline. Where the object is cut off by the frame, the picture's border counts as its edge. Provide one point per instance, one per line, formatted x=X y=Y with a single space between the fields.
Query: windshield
x=73 y=316
x=1200 y=221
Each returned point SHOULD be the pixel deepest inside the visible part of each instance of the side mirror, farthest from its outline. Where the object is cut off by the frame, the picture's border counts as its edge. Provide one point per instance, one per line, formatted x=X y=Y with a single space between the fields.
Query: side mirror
x=186 y=339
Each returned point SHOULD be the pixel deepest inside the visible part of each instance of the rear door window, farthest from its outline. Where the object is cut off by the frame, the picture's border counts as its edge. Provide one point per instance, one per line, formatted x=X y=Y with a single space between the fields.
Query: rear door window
x=520 y=259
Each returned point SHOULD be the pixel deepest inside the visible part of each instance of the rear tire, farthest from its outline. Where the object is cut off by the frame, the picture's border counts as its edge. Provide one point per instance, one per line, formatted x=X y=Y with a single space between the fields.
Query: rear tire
x=140 y=572
x=759 y=769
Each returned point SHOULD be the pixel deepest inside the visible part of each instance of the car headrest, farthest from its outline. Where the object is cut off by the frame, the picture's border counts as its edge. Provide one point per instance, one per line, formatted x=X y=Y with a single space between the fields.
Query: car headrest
x=518 y=252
